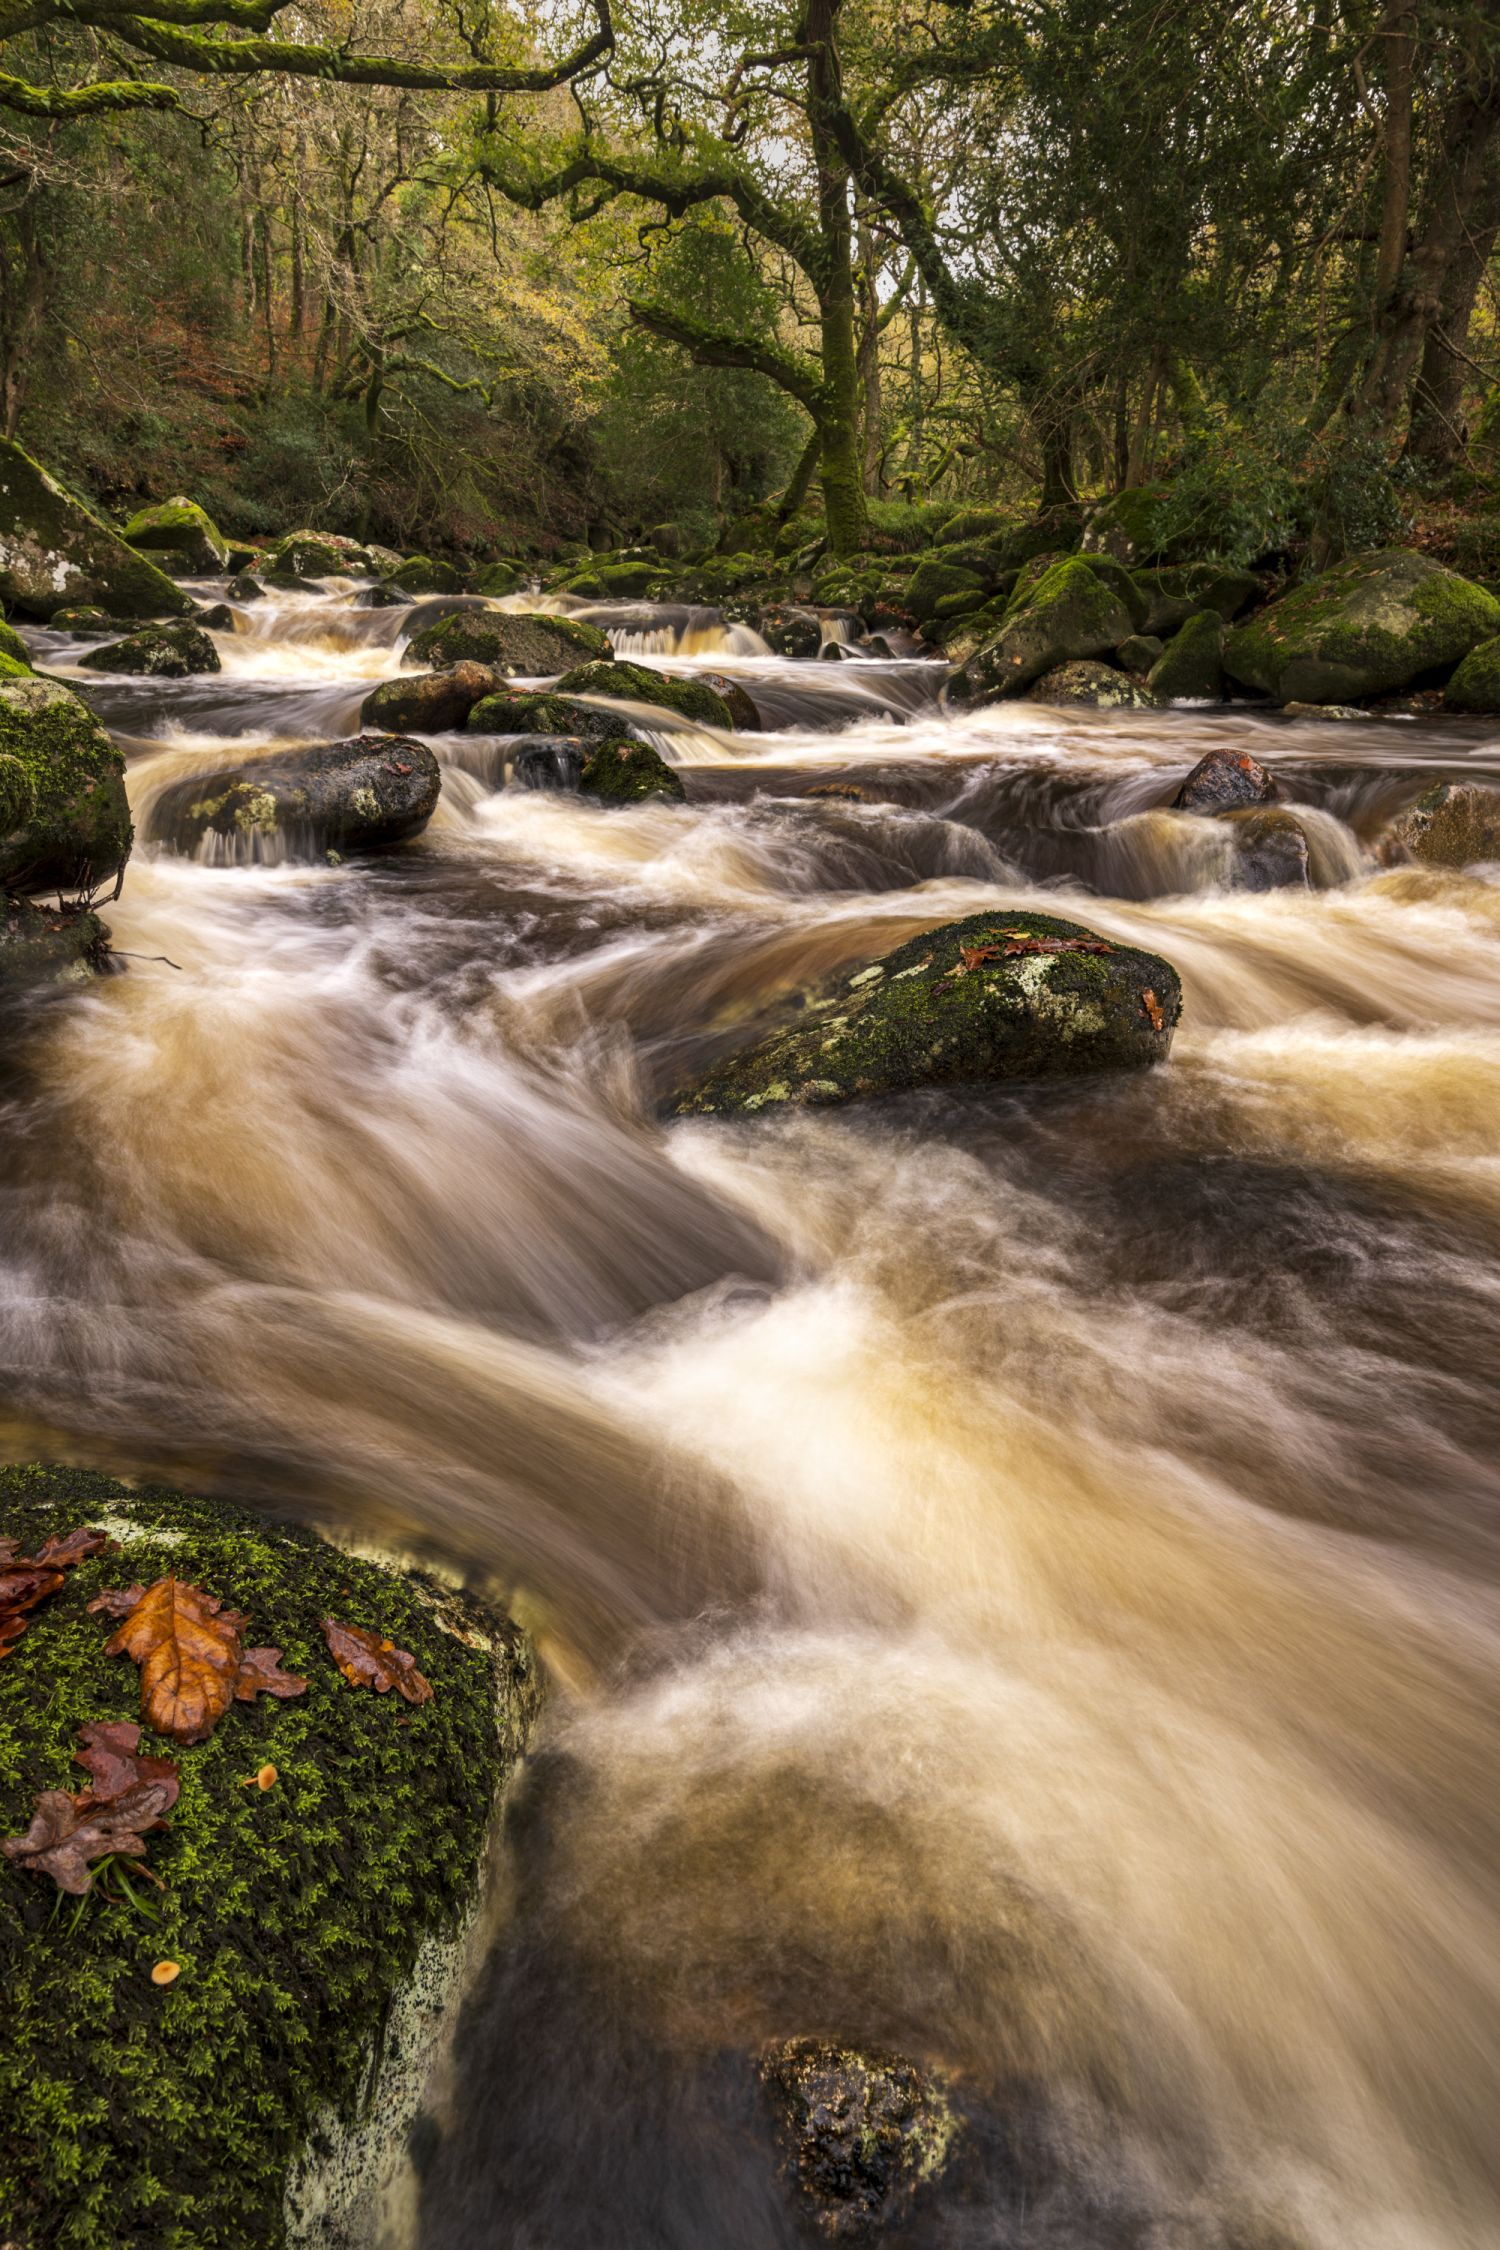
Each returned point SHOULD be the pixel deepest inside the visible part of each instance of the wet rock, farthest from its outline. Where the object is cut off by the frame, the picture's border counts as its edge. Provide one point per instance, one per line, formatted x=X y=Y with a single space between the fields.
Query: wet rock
x=641 y=683
x=1453 y=824
x=423 y=574
x=513 y=645
x=56 y=553
x=1138 y=652
x=1325 y=711
x=162 y=652
x=13 y=649
x=861 y=2132
x=501 y=578
x=1071 y=614
x=1224 y=780
x=182 y=528
x=429 y=703
x=549 y=761
x=1100 y=686
x=795 y=633
x=1475 y=686
x=64 y=821
x=85 y=621
x=365 y=794
x=302 y=557
x=955 y=1007
x=48 y=945
x=243 y=588
x=1191 y=668
x=1376 y=623
x=382 y=597
x=830 y=653
x=625 y=772
x=514 y=711
x=1270 y=849
x=215 y=617
x=934 y=581
x=743 y=716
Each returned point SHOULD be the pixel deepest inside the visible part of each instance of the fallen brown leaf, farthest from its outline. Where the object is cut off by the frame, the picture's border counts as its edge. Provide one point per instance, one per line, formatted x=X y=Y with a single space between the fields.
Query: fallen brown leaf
x=26 y=1580
x=260 y=1673
x=110 y=1760
x=1152 y=1007
x=67 y=1833
x=116 y=1601
x=188 y=1648
x=367 y=1660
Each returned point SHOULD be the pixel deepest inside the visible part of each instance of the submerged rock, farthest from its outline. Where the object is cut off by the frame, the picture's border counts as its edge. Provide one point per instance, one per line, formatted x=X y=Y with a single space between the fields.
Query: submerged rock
x=164 y=652
x=182 y=528
x=1223 y=780
x=860 y=2132
x=640 y=683
x=797 y=633
x=549 y=761
x=624 y=772
x=316 y=1923
x=1453 y=824
x=998 y=997
x=1098 y=685
x=48 y=945
x=1270 y=849
x=512 y=644
x=85 y=621
x=243 y=588
x=1373 y=624
x=1071 y=614
x=362 y=795
x=55 y=552
x=1191 y=668
x=64 y=820
x=433 y=703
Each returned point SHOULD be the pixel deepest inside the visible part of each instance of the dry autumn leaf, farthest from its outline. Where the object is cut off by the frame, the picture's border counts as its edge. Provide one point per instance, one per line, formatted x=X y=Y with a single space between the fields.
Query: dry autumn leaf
x=1152 y=1007
x=260 y=1673
x=193 y=1665
x=26 y=1580
x=367 y=1660
x=67 y=1833
x=110 y=1760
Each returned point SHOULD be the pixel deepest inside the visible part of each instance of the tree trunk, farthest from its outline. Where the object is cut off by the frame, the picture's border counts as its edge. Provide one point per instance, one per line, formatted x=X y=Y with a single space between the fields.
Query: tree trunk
x=842 y=464
x=1435 y=434
x=869 y=360
x=800 y=480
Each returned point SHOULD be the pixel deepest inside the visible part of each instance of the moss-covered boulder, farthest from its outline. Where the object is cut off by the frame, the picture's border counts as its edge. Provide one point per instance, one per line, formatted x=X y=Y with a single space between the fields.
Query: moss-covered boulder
x=301 y=556
x=13 y=647
x=64 y=820
x=1121 y=582
x=1191 y=668
x=1453 y=824
x=180 y=527
x=305 y=1917
x=85 y=621
x=362 y=795
x=51 y=945
x=1071 y=613
x=1217 y=586
x=625 y=772
x=1099 y=687
x=162 y=652
x=511 y=711
x=244 y=588
x=500 y=578
x=736 y=699
x=54 y=551
x=617 y=581
x=14 y=668
x=861 y=2133
x=639 y=683
x=424 y=574
x=1132 y=526
x=1377 y=622
x=1224 y=779
x=429 y=702
x=518 y=646
x=1475 y=686
x=935 y=580
x=998 y=997
x=788 y=631
x=1138 y=652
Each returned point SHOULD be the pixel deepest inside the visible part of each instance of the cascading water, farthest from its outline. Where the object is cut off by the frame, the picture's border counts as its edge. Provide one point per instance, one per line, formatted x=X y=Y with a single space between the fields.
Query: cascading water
x=1021 y=1569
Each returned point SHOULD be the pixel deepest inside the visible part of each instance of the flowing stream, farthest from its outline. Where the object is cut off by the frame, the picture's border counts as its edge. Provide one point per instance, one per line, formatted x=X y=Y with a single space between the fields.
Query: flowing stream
x=1020 y=1568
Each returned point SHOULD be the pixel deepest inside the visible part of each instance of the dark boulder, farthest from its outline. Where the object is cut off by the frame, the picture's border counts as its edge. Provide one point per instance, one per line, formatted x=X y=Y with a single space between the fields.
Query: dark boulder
x=624 y=772
x=1224 y=780
x=549 y=761
x=860 y=2133
x=1270 y=849
x=382 y=597
x=56 y=553
x=736 y=700
x=1191 y=668
x=85 y=622
x=513 y=644
x=48 y=946
x=1138 y=652
x=796 y=633
x=215 y=617
x=1098 y=686
x=1373 y=624
x=161 y=652
x=64 y=820
x=428 y=702
x=361 y=795
x=1000 y=997
x=642 y=683
x=423 y=574
x=514 y=711
x=243 y=588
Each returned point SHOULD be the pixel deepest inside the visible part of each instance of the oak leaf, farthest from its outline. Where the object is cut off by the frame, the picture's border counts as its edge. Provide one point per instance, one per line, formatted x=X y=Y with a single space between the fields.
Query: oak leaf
x=368 y=1660
x=188 y=1648
x=1152 y=1007
x=110 y=1759
x=66 y=1833
x=260 y=1673
x=26 y=1580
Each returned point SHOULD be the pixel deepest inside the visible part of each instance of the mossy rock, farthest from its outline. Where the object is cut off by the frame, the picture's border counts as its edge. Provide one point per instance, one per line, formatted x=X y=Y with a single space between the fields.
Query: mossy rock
x=625 y=772
x=1122 y=583
x=1133 y=527
x=1191 y=668
x=301 y=556
x=50 y=945
x=512 y=711
x=1029 y=576
x=161 y=652
x=1072 y=614
x=862 y=2133
x=428 y=702
x=917 y=1018
x=934 y=580
x=1138 y=652
x=498 y=578
x=1225 y=780
x=143 y=2117
x=14 y=667
x=989 y=524
x=1207 y=585
x=85 y=621
x=639 y=683
x=627 y=581
x=789 y=631
x=1099 y=687
x=68 y=827
x=1453 y=824
x=181 y=527
x=55 y=552
x=366 y=794
x=1375 y=623
x=1270 y=850
x=423 y=574
x=514 y=644
x=12 y=645
x=1475 y=686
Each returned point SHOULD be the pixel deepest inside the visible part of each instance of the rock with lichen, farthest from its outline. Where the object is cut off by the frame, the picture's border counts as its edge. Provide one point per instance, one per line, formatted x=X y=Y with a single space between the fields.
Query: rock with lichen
x=1224 y=779
x=429 y=702
x=1100 y=687
x=997 y=998
x=1378 y=622
x=642 y=683
x=1452 y=824
x=1475 y=686
x=160 y=652
x=513 y=644
x=1071 y=613
x=315 y=1922
x=55 y=552
x=1270 y=849
x=64 y=820
x=182 y=528
x=362 y=795
x=861 y=2133
x=626 y=772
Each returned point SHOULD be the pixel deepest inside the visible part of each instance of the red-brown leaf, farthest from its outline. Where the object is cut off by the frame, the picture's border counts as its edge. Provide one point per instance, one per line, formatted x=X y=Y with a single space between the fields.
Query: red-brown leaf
x=116 y=1601
x=260 y=1673
x=188 y=1648
x=368 y=1660
x=1152 y=1007
x=73 y=1547
x=66 y=1833
x=26 y=1580
x=110 y=1760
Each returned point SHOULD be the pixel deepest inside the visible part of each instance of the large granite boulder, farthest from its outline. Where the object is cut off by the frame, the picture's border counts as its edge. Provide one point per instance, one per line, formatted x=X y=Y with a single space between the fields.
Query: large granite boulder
x=1099 y=687
x=161 y=652
x=515 y=645
x=1475 y=686
x=357 y=796
x=1070 y=614
x=429 y=702
x=1190 y=668
x=1378 y=622
x=182 y=528
x=1452 y=824
x=641 y=683
x=64 y=819
x=54 y=551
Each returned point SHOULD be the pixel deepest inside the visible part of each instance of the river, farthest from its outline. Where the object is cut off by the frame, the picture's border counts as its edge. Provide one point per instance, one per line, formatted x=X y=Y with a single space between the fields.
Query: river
x=1019 y=1568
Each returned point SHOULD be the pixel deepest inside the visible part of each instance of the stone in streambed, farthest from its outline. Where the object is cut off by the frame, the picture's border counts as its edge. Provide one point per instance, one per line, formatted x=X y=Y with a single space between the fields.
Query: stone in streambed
x=424 y=574
x=640 y=683
x=743 y=716
x=860 y=2132
x=181 y=528
x=1138 y=652
x=516 y=711
x=1223 y=780
x=625 y=772
x=1475 y=686
x=85 y=621
x=362 y=795
x=1071 y=614
x=1191 y=668
x=513 y=644
x=243 y=588
x=1270 y=849
x=64 y=821
x=1097 y=686
x=1453 y=824
x=162 y=652
x=48 y=945
x=430 y=703
x=14 y=649
x=1373 y=624
x=54 y=551
x=549 y=761
x=923 y=1017
x=795 y=633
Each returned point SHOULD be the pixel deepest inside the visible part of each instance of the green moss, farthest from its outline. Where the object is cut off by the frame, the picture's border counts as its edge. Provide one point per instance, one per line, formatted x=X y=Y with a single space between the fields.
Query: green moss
x=422 y=574
x=1098 y=686
x=14 y=667
x=500 y=578
x=511 y=712
x=1121 y=583
x=1132 y=526
x=12 y=645
x=1191 y=668
x=183 y=528
x=55 y=552
x=1071 y=613
x=134 y=2117
x=514 y=643
x=912 y=1019
x=79 y=833
x=165 y=652
x=638 y=683
x=1475 y=686
x=1377 y=622
x=623 y=772
x=933 y=580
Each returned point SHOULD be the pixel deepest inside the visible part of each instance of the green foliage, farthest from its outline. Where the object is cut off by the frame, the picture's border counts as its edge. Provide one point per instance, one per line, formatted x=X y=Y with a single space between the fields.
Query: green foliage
x=1355 y=497
x=1235 y=499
